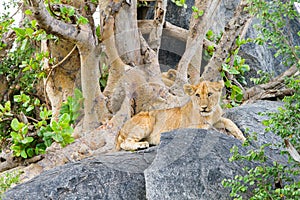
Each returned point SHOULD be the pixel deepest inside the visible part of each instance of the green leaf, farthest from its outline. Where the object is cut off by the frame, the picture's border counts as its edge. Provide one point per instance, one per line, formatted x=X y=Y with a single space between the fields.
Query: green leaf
x=200 y=13
x=29 y=31
x=30 y=108
x=7 y=106
x=28 y=12
x=55 y=126
x=103 y=82
x=57 y=138
x=2 y=108
x=178 y=3
x=226 y=67
x=16 y=136
x=16 y=149
x=33 y=23
x=98 y=32
x=30 y=152
x=232 y=70
x=48 y=142
x=237 y=89
x=63 y=10
x=68 y=131
x=20 y=32
x=24 y=154
x=69 y=140
x=36 y=102
x=65 y=118
x=48 y=134
x=40 y=149
x=27 y=140
x=245 y=68
x=24 y=129
x=71 y=12
x=82 y=20
x=209 y=33
x=195 y=9
x=15 y=125
x=45 y=114
x=227 y=84
x=17 y=98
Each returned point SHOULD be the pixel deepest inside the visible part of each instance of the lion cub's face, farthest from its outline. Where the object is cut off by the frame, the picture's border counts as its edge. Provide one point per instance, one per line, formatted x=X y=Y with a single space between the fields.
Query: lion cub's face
x=205 y=96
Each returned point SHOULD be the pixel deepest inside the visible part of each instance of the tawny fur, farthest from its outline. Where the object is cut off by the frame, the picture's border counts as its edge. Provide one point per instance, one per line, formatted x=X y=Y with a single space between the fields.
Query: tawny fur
x=202 y=111
x=169 y=77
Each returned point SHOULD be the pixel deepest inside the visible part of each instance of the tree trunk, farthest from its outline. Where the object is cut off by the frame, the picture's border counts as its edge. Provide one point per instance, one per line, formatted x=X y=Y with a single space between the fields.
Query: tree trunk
x=94 y=101
x=60 y=81
x=194 y=44
x=83 y=36
x=235 y=28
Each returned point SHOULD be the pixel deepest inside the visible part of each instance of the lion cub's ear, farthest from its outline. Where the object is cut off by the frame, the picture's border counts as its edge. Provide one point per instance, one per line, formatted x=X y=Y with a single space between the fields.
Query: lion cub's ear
x=189 y=89
x=171 y=74
x=219 y=85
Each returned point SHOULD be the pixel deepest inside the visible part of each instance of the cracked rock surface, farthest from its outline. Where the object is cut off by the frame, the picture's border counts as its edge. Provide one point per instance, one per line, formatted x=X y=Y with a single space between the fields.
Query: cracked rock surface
x=188 y=164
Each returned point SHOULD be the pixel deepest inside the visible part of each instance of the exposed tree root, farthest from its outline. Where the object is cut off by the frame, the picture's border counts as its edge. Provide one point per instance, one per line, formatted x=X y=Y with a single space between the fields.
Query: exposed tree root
x=8 y=161
x=273 y=89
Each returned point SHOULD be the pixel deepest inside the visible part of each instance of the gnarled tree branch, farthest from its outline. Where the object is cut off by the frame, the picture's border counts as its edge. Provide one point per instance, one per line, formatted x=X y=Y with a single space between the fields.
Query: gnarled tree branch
x=194 y=43
x=235 y=28
x=52 y=25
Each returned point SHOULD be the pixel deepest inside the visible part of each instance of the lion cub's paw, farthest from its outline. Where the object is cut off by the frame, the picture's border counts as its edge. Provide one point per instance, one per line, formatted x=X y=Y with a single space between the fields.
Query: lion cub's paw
x=131 y=146
x=142 y=145
x=241 y=136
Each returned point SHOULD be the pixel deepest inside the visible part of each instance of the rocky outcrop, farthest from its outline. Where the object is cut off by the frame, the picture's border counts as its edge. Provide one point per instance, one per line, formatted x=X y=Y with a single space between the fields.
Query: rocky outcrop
x=188 y=164
x=191 y=164
x=112 y=176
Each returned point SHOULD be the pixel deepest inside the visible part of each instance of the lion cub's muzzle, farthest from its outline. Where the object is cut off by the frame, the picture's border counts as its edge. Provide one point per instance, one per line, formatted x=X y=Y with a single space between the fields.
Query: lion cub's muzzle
x=205 y=111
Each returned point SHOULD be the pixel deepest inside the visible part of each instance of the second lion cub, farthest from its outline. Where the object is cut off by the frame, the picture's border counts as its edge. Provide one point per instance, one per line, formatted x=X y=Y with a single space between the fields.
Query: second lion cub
x=202 y=111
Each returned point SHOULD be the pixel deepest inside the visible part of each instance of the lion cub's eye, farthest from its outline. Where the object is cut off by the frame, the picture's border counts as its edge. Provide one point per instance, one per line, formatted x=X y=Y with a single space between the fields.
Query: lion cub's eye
x=209 y=94
x=197 y=95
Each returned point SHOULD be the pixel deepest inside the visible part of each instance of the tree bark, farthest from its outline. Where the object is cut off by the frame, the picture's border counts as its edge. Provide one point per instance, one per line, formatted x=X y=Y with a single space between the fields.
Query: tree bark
x=273 y=89
x=154 y=40
x=235 y=28
x=61 y=81
x=194 y=44
x=83 y=36
x=126 y=27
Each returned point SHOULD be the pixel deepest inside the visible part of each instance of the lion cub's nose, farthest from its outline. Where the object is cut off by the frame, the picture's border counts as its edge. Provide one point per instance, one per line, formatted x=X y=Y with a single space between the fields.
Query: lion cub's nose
x=204 y=107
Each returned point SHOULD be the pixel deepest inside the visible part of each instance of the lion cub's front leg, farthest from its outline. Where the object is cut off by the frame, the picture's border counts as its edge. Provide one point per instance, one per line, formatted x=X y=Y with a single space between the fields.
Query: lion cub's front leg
x=136 y=132
x=131 y=145
x=231 y=127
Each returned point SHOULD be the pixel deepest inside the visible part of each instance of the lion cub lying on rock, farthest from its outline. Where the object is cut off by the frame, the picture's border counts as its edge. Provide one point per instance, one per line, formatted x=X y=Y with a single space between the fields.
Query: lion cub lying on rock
x=202 y=111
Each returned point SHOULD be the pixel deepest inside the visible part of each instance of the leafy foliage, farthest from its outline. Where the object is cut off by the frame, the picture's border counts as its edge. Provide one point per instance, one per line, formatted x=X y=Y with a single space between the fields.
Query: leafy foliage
x=180 y=3
x=42 y=133
x=198 y=13
x=7 y=180
x=278 y=180
x=274 y=16
x=26 y=125
x=265 y=77
x=142 y=4
x=215 y=38
x=66 y=13
x=234 y=68
x=104 y=76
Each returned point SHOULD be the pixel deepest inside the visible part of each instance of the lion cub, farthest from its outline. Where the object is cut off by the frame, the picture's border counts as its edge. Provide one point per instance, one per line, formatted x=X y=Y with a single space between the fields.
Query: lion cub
x=202 y=111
